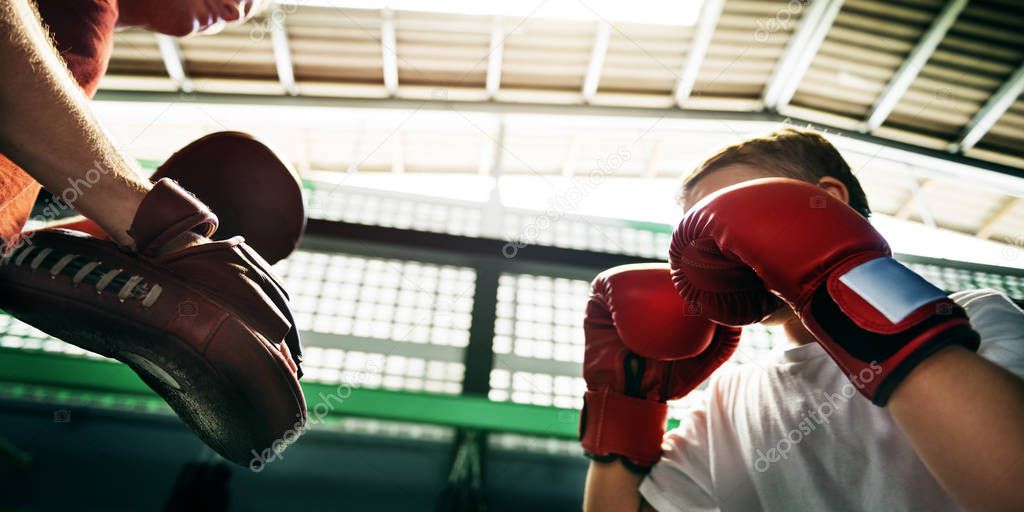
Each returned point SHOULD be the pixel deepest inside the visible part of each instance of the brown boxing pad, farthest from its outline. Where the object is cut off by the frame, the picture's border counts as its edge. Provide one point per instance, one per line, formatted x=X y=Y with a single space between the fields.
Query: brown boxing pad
x=199 y=329
x=254 y=192
x=204 y=324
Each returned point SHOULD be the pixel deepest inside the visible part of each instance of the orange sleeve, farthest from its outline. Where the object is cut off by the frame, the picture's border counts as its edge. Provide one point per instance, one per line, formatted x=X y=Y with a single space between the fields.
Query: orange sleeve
x=18 y=192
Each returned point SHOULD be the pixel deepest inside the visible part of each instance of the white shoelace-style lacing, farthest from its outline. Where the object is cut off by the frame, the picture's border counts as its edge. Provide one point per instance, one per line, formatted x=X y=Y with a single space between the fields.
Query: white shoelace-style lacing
x=90 y=272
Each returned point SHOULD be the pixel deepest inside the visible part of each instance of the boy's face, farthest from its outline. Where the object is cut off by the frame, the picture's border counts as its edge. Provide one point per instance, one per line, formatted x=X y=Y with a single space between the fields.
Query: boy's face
x=719 y=179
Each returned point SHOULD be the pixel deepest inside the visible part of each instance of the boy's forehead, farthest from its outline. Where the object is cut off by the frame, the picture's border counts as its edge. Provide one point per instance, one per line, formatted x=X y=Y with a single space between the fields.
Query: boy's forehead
x=719 y=179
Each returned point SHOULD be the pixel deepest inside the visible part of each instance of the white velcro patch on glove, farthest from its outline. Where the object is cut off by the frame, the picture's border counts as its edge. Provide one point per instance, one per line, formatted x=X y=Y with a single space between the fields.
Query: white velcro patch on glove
x=891 y=288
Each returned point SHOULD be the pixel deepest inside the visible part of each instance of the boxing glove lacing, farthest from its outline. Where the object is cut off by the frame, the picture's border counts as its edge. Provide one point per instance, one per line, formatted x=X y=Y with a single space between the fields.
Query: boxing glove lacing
x=89 y=272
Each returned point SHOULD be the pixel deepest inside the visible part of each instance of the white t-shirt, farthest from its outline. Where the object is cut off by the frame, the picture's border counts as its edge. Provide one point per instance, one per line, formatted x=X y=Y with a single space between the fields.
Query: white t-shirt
x=792 y=434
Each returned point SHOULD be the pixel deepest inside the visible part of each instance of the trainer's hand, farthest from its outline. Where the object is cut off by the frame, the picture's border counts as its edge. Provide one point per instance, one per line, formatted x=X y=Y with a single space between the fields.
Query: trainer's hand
x=875 y=317
x=185 y=17
x=231 y=171
x=644 y=346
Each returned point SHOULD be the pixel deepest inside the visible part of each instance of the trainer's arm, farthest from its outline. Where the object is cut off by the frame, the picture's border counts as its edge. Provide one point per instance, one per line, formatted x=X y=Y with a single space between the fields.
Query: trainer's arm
x=48 y=129
x=613 y=488
x=965 y=417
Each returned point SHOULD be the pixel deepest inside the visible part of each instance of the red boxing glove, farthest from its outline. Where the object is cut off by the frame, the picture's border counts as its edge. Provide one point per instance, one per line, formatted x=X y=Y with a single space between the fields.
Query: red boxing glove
x=875 y=317
x=644 y=346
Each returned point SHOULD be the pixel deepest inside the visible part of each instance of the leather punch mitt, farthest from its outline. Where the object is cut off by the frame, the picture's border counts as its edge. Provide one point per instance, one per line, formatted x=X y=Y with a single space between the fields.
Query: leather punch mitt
x=206 y=327
x=253 y=191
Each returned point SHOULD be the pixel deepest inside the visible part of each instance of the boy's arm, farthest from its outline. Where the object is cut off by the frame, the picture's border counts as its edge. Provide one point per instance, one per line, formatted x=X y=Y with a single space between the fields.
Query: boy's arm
x=883 y=324
x=613 y=488
x=643 y=347
x=964 y=416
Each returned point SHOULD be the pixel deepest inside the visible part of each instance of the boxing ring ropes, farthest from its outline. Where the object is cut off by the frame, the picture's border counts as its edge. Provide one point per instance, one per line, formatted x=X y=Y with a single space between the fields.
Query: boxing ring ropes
x=35 y=376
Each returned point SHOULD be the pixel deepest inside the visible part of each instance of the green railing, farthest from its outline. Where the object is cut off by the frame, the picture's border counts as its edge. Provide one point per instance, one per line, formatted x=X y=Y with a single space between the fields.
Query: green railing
x=61 y=378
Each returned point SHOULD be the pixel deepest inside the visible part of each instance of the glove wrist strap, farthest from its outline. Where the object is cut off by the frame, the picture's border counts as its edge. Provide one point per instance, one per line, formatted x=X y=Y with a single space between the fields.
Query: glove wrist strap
x=166 y=212
x=879 y=319
x=616 y=424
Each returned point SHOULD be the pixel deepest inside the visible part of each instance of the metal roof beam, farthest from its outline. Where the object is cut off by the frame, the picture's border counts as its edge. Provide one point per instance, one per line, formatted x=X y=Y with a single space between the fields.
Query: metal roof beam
x=952 y=166
x=398 y=153
x=355 y=158
x=994 y=108
x=597 y=55
x=282 y=52
x=495 y=56
x=651 y=165
x=389 y=51
x=803 y=46
x=918 y=202
x=989 y=227
x=174 y=62
x=710 y=12
x=492 y=165
x=572 y=156
x=911 y=67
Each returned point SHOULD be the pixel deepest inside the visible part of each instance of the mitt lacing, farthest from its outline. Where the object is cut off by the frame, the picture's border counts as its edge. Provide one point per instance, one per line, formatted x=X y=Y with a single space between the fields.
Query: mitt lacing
x=89 y=272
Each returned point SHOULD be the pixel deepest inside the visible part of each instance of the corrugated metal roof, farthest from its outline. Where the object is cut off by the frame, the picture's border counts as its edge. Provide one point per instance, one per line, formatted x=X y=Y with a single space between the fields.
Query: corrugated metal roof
x=963 y=98
x=344 y=52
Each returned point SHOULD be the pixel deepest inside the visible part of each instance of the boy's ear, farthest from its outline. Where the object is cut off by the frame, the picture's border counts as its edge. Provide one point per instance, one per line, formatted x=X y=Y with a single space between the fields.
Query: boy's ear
x=835 y=188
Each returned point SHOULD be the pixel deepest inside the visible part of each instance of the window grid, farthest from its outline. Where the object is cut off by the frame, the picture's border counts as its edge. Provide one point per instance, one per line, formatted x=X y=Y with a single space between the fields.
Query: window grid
x=758 y=343
x=438 y=216
x=17 y=334
x=405 y=301
x=584 y=234
x=565 y=391
x=382 y=371
x=540 y=317
x=338 y=204
x=953 y=279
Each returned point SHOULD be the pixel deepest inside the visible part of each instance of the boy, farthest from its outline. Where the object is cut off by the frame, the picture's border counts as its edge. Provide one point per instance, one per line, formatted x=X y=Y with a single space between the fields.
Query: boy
x=792 y=433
